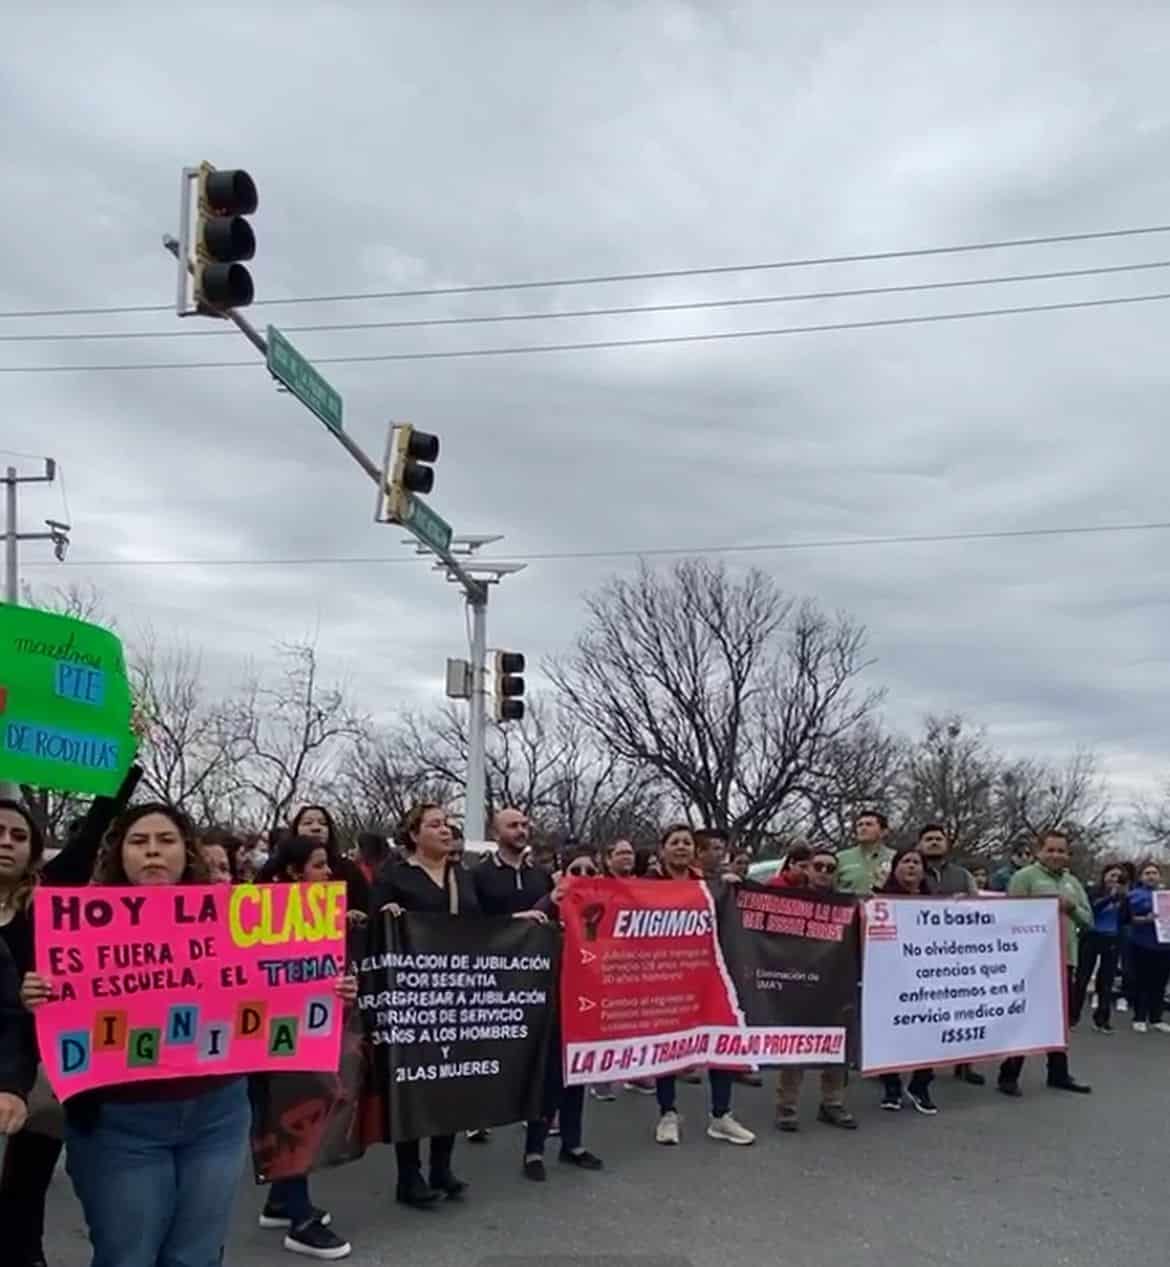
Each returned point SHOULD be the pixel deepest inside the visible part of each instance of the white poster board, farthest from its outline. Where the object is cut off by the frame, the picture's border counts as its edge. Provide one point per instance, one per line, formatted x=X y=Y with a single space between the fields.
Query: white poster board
x=946 y=980
x=1162 y=914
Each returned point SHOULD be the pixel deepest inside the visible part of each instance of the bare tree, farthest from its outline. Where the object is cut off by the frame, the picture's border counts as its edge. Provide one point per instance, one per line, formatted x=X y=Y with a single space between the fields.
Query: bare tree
x=949 y=776
x=726 y=689
x=377 y=781
x=1034 y=797
x=858 y=770
x=289 y=732
x=190 y=743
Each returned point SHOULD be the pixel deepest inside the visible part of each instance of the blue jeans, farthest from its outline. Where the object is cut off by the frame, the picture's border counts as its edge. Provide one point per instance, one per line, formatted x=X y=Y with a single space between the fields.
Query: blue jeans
x=719 y=1081
x=157 y=1179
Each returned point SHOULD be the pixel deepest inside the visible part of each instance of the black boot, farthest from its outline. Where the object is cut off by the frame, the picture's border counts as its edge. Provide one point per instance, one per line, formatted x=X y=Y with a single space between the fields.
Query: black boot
x=444 y=1181
x=412 y=1191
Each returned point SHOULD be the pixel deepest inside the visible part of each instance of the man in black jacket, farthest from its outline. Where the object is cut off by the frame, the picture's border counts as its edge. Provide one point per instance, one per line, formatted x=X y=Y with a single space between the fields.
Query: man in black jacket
x=17 y=1060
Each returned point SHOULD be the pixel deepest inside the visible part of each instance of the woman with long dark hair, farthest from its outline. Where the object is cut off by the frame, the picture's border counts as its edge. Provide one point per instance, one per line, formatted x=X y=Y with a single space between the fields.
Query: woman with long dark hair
x=155 y=1164
x=907 y=878
x=32 y=1155
x=426 y=880
x=316 y=823
x=1099 y=948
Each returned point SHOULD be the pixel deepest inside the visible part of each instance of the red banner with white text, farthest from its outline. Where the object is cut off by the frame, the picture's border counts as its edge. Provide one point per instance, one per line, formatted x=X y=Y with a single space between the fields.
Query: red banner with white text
x=646 y=988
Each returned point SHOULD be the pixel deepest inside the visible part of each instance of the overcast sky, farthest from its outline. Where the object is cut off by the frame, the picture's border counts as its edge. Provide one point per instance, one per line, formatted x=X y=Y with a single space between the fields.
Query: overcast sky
x=437 y=144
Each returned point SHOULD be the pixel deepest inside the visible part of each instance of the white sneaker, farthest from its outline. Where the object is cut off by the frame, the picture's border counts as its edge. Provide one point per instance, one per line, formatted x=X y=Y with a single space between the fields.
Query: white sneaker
x=729 y=1130
x=1140 y=1027
x=666 y=1131
x=1122 y=1005
x=1163 y=1027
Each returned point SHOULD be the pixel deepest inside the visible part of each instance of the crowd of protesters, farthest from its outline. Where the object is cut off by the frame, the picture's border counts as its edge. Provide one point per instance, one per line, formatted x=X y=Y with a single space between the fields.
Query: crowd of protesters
x=156 y=1166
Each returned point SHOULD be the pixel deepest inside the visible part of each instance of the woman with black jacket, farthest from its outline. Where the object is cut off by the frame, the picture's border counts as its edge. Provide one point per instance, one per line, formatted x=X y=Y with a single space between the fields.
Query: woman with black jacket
x=31 y=1156
x=18 y=1059
x=427 y=881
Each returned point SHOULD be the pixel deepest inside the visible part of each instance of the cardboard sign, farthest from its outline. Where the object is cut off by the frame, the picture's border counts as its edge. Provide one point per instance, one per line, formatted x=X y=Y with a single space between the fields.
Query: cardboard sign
x=186 y=981
x=64 y=703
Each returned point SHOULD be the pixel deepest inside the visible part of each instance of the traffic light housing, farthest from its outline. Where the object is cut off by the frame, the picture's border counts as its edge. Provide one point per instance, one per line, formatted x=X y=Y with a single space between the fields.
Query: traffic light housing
x=509 y=686
x=223 y=238
x=409 y=469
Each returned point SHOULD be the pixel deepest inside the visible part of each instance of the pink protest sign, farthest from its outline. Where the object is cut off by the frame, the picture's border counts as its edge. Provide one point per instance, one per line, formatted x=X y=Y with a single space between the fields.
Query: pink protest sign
x=187 y=981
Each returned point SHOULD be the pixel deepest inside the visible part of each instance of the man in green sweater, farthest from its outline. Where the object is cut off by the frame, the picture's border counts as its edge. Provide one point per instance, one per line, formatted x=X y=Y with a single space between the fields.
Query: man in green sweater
x=1049 y=876
x=866 y=867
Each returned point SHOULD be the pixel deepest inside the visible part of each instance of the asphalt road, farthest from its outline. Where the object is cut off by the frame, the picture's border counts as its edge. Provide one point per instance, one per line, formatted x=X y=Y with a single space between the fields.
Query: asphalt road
x=1050 y=1179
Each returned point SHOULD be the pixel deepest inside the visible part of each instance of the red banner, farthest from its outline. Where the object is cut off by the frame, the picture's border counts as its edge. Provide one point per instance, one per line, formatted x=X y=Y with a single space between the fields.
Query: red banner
x=643 y=982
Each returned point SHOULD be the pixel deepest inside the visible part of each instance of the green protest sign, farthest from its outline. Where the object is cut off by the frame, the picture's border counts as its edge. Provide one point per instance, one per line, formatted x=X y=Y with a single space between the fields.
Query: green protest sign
x=64 y=703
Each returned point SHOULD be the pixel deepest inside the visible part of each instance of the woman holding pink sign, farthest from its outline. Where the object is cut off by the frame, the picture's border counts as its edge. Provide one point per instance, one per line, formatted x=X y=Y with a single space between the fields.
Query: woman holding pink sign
x=155 y=1165
x=32 y=1155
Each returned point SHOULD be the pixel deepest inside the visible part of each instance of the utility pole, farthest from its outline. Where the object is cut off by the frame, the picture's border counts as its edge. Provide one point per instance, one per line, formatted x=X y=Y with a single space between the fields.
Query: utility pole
x=58 y=532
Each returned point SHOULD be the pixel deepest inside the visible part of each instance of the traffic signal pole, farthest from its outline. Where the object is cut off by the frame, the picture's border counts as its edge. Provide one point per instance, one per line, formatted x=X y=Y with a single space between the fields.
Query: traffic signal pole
x=476 y=799
x=474 y=588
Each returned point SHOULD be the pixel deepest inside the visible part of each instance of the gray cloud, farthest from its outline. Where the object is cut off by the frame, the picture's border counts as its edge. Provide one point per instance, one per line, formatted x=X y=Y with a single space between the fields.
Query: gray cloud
x=460 y=143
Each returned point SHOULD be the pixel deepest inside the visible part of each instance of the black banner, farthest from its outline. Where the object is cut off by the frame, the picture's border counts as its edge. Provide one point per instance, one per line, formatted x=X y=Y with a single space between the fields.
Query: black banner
x=793 y=956
x=303 y=1122
x=460 y=1011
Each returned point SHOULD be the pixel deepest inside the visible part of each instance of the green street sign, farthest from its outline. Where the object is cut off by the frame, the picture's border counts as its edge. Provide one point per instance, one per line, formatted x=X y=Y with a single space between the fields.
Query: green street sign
x=427 y=525
x=290 y=367
x=64 y=703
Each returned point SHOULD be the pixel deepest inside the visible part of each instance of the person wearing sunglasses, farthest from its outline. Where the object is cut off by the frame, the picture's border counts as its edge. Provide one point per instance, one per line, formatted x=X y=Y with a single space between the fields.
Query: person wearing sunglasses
x=566 y=1104
x=820 y=877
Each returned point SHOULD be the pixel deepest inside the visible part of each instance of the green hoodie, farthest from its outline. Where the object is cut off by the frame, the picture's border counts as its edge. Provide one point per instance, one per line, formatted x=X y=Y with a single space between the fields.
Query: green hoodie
x=1037 y=881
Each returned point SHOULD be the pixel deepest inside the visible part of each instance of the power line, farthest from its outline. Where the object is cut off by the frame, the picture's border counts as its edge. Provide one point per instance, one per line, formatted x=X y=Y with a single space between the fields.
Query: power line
x=624 y=310
x=649 y=552
x=602 y=279
x=598 y=344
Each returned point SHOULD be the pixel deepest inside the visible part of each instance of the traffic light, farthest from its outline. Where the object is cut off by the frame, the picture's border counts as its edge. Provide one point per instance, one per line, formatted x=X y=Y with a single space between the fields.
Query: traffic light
x=223 y=238
x=409 y=469
x=509 y=686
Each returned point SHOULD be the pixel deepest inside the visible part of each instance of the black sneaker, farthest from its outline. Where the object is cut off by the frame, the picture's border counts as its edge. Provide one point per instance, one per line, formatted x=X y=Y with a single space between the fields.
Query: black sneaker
x=920 y=1098
x=1009 y=1088
x=534 y=1170
x=273 y=1216
x=892 y=1102
x=314 y=1240
x=584 y=1160
x=1103 y=1028
x=446 y=1182
x=479 y=1136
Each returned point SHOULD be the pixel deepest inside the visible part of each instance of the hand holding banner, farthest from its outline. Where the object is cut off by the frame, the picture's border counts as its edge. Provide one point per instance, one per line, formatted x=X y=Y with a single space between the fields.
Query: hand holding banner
x=182 y=981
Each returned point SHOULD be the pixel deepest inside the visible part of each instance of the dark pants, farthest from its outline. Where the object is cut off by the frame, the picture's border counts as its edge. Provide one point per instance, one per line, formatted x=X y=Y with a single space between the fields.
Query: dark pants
x=1009 y=1071
x=1151 y=970
x=920 y=1080
x=291 y=1196
x=571 y=1107
x=409 y=1155
x=157 y=1179
x=719 y=1080
x=1097 y=951
x=29 y=1162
